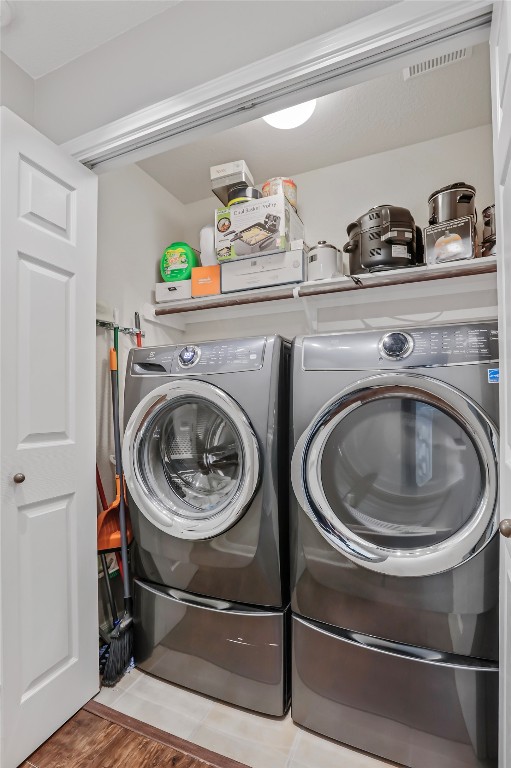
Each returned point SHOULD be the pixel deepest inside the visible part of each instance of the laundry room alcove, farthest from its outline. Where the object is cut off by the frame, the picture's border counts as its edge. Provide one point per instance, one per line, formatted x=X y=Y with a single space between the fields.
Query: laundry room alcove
x=384 y=140
x=387 y=140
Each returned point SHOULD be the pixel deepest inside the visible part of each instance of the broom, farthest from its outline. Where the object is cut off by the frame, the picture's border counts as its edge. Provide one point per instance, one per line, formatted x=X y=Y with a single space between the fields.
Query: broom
x=121 y=639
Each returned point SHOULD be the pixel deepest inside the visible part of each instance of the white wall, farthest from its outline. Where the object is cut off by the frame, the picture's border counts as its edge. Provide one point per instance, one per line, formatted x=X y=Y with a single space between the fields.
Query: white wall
x=137 y=219
x=16 y=89
x=182 y=47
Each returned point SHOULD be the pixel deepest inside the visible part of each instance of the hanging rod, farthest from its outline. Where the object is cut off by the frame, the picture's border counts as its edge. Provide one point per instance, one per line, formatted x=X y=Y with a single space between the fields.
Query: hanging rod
x=110 y=326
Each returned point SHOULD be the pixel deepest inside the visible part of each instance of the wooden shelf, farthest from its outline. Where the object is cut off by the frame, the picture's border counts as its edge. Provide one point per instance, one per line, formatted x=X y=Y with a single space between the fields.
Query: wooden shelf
x=343 y=284
x=443 y=293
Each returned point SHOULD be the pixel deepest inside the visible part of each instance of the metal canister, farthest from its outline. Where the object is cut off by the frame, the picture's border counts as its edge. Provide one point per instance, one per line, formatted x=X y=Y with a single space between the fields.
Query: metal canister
x=489 y=244
x=489 y=228
x=452 y=202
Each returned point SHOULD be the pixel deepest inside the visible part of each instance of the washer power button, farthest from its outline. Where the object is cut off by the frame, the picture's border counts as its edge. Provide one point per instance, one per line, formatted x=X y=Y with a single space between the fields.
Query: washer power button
x=396 y=345
x=189 y=356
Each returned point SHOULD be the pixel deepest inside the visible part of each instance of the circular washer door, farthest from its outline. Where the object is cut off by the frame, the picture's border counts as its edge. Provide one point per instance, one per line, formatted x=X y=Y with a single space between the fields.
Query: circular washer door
x=191 y=459
x=400 y=473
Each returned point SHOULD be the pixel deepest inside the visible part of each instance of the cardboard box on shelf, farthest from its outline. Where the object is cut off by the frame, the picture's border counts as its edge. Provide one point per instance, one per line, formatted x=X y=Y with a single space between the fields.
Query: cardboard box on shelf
x=451 y=241
x=181 y=289
x=263 y=271
x=256 y=228
x=205 y=281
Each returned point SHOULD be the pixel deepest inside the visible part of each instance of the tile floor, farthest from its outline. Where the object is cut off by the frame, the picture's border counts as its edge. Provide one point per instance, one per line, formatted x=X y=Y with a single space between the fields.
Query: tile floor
x=258 y=741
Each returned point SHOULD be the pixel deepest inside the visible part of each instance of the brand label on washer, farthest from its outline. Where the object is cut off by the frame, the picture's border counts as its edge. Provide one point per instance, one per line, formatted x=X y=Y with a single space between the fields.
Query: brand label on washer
x=493 y=375
x=400 y=252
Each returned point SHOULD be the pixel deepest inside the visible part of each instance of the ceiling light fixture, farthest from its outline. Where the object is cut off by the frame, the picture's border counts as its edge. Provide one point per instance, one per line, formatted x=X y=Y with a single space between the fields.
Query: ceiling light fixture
x=291 y=117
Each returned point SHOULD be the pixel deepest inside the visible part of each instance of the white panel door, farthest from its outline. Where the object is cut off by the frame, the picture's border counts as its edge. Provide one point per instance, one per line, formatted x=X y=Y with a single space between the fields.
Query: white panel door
x=501 y=97
x=48 y=572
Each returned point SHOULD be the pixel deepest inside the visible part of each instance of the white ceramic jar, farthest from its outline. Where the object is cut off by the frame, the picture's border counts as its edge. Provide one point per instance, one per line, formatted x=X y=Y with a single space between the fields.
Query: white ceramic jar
x=322 y=261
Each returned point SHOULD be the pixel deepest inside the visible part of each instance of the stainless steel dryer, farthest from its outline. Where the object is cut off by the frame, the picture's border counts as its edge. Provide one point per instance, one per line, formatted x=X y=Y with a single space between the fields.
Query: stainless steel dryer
x=394 y=572
x=206 y=463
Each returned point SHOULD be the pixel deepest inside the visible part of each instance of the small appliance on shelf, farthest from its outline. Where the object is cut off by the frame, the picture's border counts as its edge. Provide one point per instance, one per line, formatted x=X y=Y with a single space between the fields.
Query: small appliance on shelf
x=225 y=176
x=385 y=237
x=452 y=202
x=452 y=234
x=489 y=244
x=323 y=261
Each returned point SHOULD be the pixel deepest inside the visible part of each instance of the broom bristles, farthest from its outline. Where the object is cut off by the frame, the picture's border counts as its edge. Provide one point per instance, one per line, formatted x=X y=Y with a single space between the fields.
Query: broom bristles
x=121 y=652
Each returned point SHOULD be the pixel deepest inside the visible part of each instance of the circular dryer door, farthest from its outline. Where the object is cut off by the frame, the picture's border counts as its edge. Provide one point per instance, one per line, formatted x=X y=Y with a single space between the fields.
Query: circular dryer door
x=191 y=459
x=399 y=473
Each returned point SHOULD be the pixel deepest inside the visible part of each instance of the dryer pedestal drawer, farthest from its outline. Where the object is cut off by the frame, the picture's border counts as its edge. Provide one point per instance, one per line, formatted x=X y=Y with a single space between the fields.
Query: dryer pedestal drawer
x=232 y=652
x=385 y=699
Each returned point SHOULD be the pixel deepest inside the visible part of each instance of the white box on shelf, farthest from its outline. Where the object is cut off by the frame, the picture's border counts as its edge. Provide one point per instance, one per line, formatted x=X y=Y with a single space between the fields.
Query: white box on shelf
x=173 y=291
x=256 y=228
x=263 y=271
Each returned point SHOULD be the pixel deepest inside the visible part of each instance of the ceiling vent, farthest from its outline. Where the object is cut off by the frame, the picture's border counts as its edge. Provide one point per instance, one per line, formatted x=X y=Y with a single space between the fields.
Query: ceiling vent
x=437 y=62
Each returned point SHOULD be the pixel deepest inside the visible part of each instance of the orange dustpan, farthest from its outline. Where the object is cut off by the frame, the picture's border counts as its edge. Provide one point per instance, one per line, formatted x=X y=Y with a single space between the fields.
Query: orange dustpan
x=109 y=532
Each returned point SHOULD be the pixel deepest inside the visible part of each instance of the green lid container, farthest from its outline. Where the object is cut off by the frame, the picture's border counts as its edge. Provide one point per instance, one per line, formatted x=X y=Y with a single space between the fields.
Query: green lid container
x=177 y=262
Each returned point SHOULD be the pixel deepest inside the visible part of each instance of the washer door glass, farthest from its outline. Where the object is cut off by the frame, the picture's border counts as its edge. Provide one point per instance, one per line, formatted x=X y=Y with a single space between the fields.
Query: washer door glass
x=191 y=459
x=191 y=450
x=400 y=473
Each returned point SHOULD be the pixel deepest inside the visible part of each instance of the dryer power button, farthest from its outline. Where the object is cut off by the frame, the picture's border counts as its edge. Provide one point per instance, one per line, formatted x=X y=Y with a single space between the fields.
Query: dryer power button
x=396 y=345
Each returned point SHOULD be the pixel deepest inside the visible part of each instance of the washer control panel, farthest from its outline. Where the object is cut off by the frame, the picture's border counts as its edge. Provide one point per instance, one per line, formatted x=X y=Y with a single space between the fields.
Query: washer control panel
x=221 y=356
x=423 y=347
x=226 y=356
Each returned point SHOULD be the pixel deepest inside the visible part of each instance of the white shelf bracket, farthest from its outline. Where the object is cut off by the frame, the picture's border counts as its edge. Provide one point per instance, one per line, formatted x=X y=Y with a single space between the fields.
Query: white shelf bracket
x=311 y=314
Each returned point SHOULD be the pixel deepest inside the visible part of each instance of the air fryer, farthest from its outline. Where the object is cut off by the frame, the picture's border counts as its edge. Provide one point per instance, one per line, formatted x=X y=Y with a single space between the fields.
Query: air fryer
x=385 y=237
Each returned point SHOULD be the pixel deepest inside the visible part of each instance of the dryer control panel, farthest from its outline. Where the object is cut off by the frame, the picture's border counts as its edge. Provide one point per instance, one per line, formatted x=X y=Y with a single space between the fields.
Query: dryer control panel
x=226 y=356
x=422 y=347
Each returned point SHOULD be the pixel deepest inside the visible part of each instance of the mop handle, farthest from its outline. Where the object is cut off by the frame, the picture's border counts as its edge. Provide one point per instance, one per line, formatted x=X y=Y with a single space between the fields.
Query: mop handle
x=118 y=472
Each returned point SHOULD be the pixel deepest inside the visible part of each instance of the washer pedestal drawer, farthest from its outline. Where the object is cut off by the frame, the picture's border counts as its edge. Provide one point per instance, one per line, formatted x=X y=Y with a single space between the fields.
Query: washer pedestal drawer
x=383 y=698
x=226 y=650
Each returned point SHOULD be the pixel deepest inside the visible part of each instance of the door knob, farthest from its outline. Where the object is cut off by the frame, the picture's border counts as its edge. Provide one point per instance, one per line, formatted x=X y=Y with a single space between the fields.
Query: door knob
x=505 y=528
x=19 y=477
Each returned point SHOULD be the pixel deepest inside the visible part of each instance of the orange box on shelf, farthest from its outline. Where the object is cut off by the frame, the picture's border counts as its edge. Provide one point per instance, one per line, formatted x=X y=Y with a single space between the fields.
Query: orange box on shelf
x=205 y=281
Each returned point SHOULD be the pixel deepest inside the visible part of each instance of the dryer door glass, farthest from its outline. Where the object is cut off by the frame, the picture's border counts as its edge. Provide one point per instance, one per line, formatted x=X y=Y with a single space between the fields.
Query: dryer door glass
x=401 y=473
x=192 y=451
